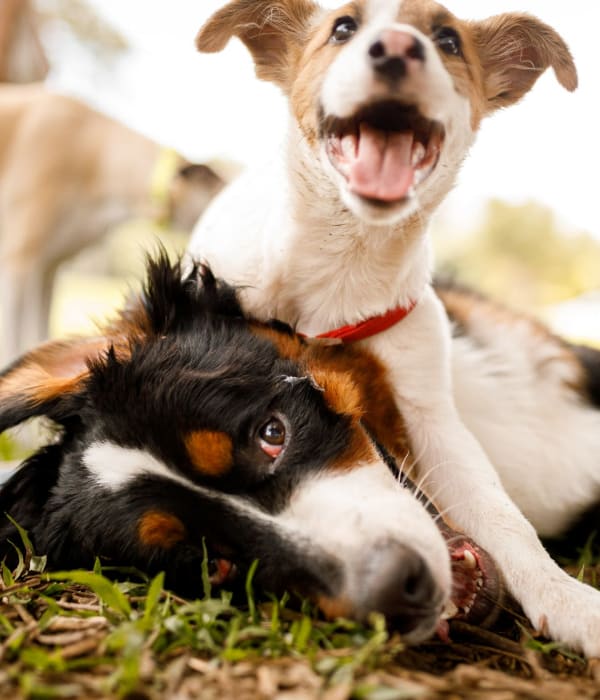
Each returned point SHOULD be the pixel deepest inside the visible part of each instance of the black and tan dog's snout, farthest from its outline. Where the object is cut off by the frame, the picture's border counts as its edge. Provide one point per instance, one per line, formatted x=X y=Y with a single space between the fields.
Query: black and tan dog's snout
x=395 y=54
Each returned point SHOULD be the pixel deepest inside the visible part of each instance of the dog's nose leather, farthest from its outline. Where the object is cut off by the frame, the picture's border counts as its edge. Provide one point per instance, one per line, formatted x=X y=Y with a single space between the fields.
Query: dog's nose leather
x=407 y=593
x=393 y=52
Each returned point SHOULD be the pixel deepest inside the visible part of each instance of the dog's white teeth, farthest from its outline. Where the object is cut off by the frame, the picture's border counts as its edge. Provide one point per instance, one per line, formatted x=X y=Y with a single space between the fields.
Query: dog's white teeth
x=418 y=153
x=420 y=175
x=479 y=582
x=466 y=609
x=469 y=559
x=449 y=611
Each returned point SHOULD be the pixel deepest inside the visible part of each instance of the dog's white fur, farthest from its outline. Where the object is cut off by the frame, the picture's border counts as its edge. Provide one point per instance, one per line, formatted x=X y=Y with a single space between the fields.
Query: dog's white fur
x=307 y=249
x=68 y=175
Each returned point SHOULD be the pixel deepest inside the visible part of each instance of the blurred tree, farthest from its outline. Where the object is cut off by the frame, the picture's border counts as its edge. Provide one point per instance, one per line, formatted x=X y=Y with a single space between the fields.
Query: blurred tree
x=520 y=255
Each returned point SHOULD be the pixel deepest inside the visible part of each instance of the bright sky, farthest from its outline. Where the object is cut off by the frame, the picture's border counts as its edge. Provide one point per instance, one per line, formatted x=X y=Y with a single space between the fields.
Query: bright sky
x=546 y=148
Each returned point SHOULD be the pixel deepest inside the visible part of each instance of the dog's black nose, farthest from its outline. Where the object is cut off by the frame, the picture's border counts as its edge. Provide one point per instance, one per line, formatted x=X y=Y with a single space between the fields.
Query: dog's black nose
x=393 y=53
x=407 y=593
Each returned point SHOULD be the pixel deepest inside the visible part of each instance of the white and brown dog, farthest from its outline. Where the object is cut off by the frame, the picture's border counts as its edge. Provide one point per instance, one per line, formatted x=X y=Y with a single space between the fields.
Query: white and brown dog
x=68 y=174
x=386 y=98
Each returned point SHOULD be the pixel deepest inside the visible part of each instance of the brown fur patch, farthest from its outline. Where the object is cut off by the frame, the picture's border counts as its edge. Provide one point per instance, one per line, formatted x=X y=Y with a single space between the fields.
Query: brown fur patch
x=354 y=384
x=290 y=346
x=311 y=68
x=33 y=383
x=335 y=607
x=159 y=529
x=376 y=396
x=210 y=451
x=272 y=30
x=371 y=399
x=467 y=308
x=358 y=451
x=339 y=391
x=514 y=49
x=52 y=370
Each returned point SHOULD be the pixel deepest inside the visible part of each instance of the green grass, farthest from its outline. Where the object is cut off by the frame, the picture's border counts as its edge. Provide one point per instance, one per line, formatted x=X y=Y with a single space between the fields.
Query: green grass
x=126 y=626
x=142 y=621
x=85 y=634
x=115 y=633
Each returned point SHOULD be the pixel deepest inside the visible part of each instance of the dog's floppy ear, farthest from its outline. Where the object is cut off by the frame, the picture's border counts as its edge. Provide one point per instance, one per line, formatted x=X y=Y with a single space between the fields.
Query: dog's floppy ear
x=47 y=381
x=515 y=49
x=273 y=30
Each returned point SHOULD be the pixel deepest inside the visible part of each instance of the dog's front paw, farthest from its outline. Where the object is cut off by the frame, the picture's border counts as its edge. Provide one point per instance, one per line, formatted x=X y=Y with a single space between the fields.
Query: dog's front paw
x=567 y=611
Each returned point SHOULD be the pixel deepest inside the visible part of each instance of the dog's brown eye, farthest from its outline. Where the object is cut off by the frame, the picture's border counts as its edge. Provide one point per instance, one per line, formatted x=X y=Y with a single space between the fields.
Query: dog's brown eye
x=272 y=437
x=448 y=41
x=343 y=29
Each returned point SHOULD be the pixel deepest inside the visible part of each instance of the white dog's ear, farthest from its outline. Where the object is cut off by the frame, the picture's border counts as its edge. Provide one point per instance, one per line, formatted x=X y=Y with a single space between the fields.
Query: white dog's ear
x=273 y=30
x=515 y=49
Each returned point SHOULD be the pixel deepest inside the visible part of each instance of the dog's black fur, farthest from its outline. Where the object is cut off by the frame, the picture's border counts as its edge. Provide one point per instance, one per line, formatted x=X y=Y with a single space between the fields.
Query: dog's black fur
x=184 y=360
x=197 y=366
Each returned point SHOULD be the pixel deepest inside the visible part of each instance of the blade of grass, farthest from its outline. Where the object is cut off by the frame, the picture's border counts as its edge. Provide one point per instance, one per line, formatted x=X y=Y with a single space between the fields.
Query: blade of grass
x=206 y=585
x=250 y=593
x=106 y=590
x=155 y=590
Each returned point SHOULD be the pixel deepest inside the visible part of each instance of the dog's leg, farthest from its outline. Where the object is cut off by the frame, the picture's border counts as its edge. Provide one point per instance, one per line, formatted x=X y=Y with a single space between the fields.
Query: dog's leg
x=25 y=290
x=38 y=304
x=25 y=286
x=460 y=478
x=13 y=293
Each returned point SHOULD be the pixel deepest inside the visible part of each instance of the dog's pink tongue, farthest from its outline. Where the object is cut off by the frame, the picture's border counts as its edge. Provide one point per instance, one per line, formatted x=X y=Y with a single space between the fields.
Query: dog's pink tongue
x=382 y=168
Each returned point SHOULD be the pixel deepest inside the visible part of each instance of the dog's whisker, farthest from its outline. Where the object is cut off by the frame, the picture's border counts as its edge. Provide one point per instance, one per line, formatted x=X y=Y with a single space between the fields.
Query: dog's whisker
x=442 y=513
x=420 y=485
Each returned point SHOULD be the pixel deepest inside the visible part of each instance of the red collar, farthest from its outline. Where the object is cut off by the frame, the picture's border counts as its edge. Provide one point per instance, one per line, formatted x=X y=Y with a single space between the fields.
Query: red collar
x=370 y=326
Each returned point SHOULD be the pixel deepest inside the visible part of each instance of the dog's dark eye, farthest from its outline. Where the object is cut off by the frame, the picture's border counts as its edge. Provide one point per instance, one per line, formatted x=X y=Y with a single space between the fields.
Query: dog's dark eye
x=272 y=437
x=343 y=29
x=448 y=41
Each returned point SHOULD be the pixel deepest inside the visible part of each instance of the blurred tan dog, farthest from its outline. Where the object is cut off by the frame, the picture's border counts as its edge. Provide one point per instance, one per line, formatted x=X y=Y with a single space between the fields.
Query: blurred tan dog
x=67 y=176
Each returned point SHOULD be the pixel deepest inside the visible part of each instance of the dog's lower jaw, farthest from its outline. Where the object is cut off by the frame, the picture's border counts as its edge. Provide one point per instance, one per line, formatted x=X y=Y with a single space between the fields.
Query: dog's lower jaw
x=371 y=212
x=377 y=213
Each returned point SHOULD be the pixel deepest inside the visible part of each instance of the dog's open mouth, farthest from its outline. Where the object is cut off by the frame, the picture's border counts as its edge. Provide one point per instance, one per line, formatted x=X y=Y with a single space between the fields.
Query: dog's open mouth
x=476 y=586
x=384 y=151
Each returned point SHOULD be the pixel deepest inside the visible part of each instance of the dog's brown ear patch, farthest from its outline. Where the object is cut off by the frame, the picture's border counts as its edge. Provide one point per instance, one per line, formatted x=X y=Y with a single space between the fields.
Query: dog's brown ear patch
x=340 y=392
x=272 y=30
x=515 y=49
x=43 y=380
x=210 y=451
x=159 y=529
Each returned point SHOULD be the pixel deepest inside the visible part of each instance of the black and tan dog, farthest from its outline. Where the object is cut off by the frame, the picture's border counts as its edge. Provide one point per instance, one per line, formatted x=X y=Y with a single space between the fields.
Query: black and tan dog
x=190 y=420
